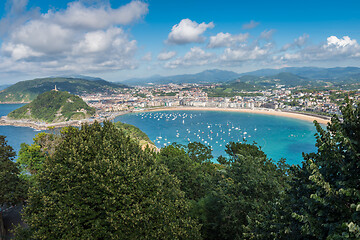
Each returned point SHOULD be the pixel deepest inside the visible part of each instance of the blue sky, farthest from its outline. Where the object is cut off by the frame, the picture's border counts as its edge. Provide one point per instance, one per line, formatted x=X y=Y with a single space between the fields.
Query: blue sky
x=117 y=40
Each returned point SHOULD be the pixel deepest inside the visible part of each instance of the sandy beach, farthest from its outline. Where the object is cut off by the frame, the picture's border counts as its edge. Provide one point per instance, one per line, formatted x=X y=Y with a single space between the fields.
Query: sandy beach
x=299 y=116
x=43 y=126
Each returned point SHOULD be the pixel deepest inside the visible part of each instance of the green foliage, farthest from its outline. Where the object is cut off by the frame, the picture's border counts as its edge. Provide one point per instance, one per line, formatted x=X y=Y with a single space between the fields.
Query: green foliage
x=328 y=184
x=161 y=93
x=26 y=91
x=99 y=184
x=133 y=132
x=198 y=176
x=30 y=159
x=142 y=95
x=184 y=168
x=199 y=152
x=12 y=187
x=54 y=106
x=243 y=193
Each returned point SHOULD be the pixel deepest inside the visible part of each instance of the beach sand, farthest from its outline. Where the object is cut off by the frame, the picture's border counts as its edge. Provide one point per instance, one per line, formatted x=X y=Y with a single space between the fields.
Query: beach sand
x=299 y=116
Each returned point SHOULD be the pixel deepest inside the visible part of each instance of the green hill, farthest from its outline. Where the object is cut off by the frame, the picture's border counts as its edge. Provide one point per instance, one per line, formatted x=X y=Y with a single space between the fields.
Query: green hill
x=54 y=106
x=289 y=79
x=26 y=91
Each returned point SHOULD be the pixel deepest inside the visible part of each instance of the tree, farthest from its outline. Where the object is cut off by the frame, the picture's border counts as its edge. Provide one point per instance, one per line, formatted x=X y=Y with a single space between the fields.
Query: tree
x=251 y=185
x=331 y=179
x=198 y=152
x=31 y=157
x=184 y=168
x=100 y=184
x=12 y=188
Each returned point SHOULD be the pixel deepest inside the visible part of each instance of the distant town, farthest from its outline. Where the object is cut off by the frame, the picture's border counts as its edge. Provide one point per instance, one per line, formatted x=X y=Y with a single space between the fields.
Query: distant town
x=317 y=102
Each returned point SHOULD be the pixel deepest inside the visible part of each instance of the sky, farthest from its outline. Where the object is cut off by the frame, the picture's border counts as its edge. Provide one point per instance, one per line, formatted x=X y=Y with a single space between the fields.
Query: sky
x=122 y=39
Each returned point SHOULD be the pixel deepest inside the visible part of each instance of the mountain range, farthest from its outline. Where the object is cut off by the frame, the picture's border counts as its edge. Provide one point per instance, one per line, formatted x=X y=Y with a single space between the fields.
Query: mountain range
x=26 y=91
x=293 y=76
x=208 y=76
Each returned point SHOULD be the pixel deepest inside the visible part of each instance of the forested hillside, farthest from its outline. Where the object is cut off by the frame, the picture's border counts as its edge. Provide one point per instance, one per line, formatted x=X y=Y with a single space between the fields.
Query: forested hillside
x=26 y=91
x=54 y=106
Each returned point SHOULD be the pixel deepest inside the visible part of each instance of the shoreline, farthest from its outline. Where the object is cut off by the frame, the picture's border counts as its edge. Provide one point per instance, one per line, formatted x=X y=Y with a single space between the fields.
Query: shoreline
x=264 y=111
x=14 y=102
x=4 y=121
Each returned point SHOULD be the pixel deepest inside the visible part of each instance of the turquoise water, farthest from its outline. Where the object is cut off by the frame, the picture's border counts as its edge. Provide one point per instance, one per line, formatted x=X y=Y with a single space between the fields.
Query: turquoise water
x=279 y=137
x=15 y=135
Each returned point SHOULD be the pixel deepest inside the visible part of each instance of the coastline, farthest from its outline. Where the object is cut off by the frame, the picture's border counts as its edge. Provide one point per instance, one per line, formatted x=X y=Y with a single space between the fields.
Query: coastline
x=14 y=102
x=300 y=116
x=4 y=121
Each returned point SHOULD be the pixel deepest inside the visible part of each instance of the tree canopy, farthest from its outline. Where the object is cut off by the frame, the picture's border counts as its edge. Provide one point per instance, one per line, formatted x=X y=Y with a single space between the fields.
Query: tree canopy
x=54 y=106
x=12 y=187
x=330 y=180
x=100 y=184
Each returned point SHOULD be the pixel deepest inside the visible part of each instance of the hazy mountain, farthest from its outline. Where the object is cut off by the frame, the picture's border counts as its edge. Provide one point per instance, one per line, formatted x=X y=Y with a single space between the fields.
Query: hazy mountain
x=310 y=72
x=282 y=78
x=2 y=87
x=305 y=75
x=79 y=77
x=208 y=76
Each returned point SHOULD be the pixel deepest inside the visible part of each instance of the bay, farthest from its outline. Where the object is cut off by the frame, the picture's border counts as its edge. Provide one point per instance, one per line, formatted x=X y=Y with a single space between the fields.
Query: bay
x=279 y=137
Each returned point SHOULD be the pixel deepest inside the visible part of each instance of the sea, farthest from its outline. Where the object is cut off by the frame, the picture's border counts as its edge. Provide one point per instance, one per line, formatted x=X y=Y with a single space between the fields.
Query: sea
x=279 y=137
x=15 y=135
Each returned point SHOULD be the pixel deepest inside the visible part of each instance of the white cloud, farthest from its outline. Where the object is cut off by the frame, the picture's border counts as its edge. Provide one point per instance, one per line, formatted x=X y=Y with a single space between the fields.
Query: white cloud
x=79 y=16
x=298 y=42
x=166 y=55
x=343 y=43
x=226 y=40
x=250 y=25
x=247 y=53
x=188 y=31
x=301 y=41
x=16 y=16
x=77 y=39
x=334 y=49
x=19 y=51
x=195 y=57
x=147 y=57
x=98 y=41
x=237 y=52
x=44 y=37
x=267 y=35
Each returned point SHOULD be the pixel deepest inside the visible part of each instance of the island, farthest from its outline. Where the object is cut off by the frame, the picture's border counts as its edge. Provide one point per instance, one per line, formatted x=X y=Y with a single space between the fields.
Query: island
x=51 y=109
